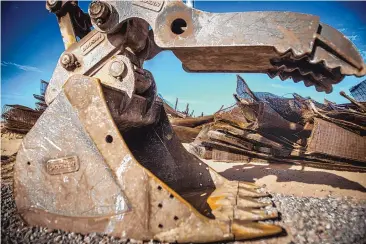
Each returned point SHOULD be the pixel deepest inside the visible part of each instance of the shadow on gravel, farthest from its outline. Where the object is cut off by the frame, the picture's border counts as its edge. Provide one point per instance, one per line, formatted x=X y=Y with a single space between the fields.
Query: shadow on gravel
x=283 y=172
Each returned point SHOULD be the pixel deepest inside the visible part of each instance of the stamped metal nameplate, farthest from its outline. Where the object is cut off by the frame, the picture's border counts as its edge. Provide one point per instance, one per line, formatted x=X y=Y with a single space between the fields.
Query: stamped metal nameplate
x=154 y=5
x=91 y=43
x=62 y=165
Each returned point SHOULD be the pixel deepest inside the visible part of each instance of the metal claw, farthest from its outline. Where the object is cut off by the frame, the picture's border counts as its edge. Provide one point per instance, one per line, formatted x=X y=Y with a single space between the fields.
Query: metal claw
x=250 y=42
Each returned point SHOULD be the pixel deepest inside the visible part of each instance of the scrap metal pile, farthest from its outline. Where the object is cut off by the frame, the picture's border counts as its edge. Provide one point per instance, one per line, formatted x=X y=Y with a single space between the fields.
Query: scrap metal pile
x=292 y=130
x=20 y=119
x=187 y=129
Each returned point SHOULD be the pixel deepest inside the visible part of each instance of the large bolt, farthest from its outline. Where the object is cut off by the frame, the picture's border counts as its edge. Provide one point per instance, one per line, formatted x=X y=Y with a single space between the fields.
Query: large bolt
x=69 y=61
x=53 y=5
x=117 y=69
x=52 y=2
x=99 y=12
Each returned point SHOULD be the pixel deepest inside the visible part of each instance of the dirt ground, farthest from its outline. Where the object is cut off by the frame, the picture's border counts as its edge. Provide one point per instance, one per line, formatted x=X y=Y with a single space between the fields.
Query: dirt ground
x=295 y=179
x=10 y=143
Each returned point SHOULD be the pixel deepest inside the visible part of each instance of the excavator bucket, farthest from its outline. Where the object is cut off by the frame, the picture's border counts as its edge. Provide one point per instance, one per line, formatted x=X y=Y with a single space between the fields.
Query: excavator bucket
x=76 y=171
x=103 y=156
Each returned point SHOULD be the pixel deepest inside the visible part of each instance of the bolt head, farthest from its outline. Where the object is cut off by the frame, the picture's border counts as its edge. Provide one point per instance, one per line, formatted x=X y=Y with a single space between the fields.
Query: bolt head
x=66 y=59
x=116 y=68
x=99 y=22
x=52 y=2
x=69 y=61
x=95 y=8
x=53 y=5
x=99 y=12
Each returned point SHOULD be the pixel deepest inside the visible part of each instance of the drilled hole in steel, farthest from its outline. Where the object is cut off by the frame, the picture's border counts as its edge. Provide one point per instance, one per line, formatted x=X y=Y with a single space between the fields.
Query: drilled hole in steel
x=160 y=226
x=176 y=218
x=160 y=205
x=171 y=196
x=178 y=26
x=28 y=163
x=160 y=188
x=109 y=139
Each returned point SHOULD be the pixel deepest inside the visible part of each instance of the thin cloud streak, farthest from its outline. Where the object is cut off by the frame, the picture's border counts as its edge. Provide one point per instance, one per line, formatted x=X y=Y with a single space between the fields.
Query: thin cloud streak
x=353 y=37
x=21 y=67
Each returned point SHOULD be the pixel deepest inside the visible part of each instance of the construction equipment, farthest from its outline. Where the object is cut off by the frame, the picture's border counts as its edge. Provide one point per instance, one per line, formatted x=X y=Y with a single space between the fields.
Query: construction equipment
x=103 y=156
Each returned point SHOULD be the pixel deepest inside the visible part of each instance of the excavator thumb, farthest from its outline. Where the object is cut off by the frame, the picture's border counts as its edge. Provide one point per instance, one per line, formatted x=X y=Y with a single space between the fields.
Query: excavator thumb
x=103 y=156
x=75 y=171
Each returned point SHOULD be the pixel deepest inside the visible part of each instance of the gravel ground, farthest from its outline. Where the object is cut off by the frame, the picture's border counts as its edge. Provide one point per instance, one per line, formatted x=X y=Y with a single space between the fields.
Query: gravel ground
x=306 y=220
x=13 y=230
x=322 y=220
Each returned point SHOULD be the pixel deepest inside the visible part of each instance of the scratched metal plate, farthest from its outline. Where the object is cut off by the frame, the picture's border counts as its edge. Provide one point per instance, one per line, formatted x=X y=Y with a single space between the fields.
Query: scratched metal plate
x=89 y=191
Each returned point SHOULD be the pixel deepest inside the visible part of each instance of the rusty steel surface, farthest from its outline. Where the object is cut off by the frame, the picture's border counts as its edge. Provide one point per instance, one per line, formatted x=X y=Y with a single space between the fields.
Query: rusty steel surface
x=192 y=122
x=264 y=121
x=186 y=134
x=228 y=156
x=73 y=22
x=330 y=139
x=104 y=158
x=284 y=44
x=120 y=179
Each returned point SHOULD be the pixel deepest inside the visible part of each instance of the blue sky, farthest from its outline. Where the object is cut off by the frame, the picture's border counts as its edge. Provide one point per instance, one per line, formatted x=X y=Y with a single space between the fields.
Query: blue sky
x=31 y=45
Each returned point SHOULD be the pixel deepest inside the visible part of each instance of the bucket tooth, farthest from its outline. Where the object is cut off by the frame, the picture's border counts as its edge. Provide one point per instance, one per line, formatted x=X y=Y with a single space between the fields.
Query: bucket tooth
x=248 y=230
x=218 y=202
x=250 y=185
x=245 y=192
x=247 y=202
x=254 y=214
x=240 y=191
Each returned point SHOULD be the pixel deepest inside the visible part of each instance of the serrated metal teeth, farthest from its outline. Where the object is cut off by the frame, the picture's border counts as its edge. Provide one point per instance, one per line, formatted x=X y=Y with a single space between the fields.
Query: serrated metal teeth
x=332 y=58
x=302 y=69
